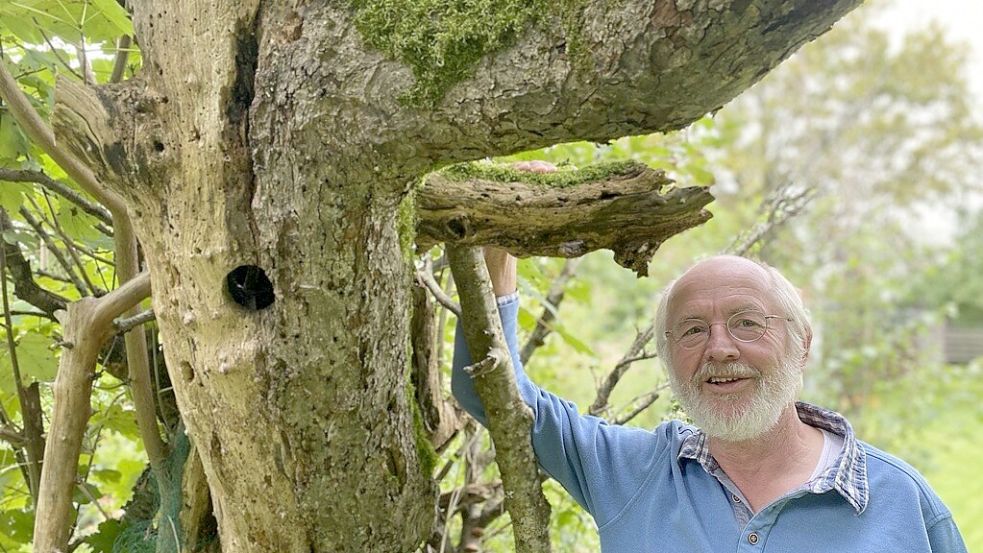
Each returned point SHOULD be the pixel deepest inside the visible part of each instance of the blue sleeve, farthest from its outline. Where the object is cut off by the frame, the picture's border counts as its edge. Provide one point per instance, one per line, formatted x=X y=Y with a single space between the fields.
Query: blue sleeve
x=602 y=466
x=944 y=537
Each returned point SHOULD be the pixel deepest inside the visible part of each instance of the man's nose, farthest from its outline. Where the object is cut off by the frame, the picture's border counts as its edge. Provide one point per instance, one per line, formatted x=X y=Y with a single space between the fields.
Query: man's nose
x=721 y=346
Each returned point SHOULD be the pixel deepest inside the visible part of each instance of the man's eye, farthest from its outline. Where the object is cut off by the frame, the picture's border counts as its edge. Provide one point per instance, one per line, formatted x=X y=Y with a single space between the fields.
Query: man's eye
x=693 y=330
x=748 y=323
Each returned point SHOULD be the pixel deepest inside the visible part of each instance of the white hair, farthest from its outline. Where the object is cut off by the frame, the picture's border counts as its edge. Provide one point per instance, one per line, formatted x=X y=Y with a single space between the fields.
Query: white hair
x=785 y=294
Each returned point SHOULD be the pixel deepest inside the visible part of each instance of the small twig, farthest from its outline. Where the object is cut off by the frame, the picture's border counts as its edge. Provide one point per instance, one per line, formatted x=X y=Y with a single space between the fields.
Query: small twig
x=70 y=245
x=62 y=189
x=54 y=50
x=125 y=325
x=483 y=367
x=782 y=206
x=55 y=251
x=641 y=404
x=552 y=302
x=92 y=499
x=122 y=54
x=425 y=277
x=12 y=436
x=635 y=353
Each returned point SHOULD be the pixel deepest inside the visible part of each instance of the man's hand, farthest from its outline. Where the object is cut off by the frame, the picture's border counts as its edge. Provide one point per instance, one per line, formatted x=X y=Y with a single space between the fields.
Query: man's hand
x=501 y=264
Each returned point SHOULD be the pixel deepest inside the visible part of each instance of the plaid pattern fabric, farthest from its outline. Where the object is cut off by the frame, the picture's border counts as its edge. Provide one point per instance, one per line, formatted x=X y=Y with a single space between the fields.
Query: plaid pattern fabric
x=847 y=475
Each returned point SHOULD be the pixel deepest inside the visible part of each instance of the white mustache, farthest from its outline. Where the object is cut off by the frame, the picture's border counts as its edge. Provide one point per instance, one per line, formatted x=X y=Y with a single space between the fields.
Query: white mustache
x=730 y=370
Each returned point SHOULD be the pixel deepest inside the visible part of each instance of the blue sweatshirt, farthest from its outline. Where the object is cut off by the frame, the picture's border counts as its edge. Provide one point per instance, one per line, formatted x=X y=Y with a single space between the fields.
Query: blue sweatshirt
x=661 y=491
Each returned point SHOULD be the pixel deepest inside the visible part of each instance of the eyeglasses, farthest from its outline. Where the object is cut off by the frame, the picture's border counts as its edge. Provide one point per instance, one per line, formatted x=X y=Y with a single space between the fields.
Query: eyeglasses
x=745 y=326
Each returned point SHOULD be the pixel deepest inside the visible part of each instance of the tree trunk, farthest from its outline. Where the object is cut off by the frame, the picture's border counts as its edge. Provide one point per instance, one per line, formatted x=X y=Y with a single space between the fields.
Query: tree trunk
x=271 y=140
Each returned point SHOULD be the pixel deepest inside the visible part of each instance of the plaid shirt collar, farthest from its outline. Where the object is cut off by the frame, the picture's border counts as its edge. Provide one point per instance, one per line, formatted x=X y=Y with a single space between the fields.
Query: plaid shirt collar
x=847 y=475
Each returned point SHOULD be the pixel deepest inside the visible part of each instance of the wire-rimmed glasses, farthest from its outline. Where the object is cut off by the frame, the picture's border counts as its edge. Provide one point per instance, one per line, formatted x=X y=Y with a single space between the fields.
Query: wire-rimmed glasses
x=743 y=326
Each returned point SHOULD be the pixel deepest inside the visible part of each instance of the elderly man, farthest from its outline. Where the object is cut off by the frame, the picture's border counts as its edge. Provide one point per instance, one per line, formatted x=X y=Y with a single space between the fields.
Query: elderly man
x=759 y=471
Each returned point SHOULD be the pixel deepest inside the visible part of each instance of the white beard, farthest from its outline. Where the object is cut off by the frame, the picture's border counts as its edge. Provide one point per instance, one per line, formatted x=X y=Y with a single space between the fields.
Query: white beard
x=747 y=417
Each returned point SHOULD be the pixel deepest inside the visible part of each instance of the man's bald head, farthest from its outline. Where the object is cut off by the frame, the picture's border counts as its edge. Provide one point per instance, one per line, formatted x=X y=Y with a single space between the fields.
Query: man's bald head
x=722 y=270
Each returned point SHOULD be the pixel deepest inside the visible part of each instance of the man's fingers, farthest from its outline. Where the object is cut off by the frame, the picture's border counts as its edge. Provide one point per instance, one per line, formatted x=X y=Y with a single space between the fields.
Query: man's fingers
x=535 y=166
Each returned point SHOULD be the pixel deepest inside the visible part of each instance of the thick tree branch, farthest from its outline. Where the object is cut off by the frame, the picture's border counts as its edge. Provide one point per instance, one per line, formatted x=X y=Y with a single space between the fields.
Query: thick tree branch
x=588 y=70
x=625 y=208
x=440 y=418
x=86 y=325
x=682 y=62
x=509 y=418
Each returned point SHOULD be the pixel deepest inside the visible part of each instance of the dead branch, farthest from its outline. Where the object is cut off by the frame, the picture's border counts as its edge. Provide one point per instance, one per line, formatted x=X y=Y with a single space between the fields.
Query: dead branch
x=509 y=418
x=626 y=208
x=86 y=325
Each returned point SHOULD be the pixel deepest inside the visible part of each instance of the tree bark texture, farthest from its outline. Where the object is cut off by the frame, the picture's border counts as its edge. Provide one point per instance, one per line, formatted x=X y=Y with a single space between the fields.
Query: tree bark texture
x=271 y=135
x=626 y=211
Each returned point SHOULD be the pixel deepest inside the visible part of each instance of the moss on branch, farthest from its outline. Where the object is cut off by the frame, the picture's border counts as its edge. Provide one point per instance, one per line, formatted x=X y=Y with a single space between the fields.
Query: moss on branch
x=442 y=41
x=563 y=177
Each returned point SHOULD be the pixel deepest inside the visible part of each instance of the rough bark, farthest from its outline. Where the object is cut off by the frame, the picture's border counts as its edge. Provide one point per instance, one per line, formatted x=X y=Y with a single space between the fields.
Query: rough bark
x=269 y=134
x=627 y=210
x=509 y=418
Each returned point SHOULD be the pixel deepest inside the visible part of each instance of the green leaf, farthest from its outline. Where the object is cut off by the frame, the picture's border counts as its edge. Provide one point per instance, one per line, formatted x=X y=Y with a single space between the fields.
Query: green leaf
x=77 y=224
x=115 y=14
x=12 y=194
x=106 y=475
x=103 y=539
x=527 y=321
x=13 y=143
x=34 y=357
x=573 y=341
x=86 y=493
x=17 y=524
x=17 y=236
x=118 y=419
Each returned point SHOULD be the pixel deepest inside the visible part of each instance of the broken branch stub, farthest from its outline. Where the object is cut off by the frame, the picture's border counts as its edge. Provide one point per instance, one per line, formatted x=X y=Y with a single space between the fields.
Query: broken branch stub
x=628 y=208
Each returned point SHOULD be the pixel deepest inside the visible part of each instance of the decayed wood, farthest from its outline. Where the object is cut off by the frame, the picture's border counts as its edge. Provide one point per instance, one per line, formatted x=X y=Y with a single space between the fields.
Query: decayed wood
x=86 y=324
x=509 y=418
x=629 y=211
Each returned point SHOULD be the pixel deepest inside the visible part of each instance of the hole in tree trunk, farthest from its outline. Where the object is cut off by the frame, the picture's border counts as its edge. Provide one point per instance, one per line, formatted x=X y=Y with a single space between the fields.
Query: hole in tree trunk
x=250 y=287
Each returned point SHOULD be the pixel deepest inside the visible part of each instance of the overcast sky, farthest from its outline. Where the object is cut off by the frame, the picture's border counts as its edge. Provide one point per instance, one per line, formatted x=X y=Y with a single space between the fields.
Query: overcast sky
x=962 y=19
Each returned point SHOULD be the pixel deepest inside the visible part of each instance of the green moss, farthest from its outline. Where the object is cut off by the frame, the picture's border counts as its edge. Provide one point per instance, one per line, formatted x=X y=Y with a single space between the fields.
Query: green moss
x=442 y=40
x=561 y=178
x=406 y=226
x=424 y=449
